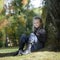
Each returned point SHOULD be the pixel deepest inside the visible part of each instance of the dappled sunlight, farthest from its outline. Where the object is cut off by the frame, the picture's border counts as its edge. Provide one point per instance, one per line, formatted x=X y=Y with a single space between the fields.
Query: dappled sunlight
x=16 y=19
x=45 y=55
x=3 y=23
x=1 y=5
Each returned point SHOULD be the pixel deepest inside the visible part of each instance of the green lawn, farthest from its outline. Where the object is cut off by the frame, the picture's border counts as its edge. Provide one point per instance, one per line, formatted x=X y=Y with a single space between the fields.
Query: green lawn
x=42 y=55
x=8 y=50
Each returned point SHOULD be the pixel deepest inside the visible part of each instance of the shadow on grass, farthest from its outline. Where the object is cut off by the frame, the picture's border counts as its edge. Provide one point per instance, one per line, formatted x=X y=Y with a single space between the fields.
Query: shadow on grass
x=8 y=54
x=41 y=50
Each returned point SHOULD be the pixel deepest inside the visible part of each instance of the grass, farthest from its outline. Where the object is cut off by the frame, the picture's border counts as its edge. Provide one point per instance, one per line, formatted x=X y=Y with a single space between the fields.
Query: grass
x=8 y=50
x=41 y=55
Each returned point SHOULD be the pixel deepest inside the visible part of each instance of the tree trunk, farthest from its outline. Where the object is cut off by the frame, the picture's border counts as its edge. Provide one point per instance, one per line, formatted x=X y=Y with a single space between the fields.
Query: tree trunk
x=53 y=23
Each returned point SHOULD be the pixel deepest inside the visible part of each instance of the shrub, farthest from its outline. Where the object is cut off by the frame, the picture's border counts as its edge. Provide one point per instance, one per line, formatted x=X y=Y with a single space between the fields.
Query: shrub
x=1 y=43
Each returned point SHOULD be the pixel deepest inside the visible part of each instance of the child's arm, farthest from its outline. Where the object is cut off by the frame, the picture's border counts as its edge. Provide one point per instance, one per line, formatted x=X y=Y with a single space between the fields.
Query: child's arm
x=41 y=35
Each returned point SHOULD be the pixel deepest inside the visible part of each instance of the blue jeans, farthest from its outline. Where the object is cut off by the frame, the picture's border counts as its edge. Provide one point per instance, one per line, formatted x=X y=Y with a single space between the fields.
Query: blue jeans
x=32 y=39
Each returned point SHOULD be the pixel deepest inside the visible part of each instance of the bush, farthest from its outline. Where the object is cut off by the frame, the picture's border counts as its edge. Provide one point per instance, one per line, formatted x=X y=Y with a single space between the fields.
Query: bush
x=1 y=43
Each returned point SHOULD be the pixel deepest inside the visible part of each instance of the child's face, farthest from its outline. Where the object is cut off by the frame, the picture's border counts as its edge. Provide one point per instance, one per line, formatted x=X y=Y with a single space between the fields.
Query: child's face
x=36 y=23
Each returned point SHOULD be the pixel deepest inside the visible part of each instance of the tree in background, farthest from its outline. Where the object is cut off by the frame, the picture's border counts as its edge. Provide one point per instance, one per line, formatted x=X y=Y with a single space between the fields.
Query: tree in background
x=52 y=21
x=19 y=22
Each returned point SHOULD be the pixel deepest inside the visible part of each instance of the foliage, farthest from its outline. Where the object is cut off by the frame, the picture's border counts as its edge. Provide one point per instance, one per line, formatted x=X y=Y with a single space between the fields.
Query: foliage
x=1 y=41
x=18 y=23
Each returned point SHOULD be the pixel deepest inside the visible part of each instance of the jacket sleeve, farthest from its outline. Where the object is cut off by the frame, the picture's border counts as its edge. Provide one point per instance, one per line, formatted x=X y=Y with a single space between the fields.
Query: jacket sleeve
x=41 y=34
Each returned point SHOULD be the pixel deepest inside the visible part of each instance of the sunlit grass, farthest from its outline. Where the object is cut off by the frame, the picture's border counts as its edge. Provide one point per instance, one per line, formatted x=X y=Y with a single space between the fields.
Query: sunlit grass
x=8 y=50
x=41 y=55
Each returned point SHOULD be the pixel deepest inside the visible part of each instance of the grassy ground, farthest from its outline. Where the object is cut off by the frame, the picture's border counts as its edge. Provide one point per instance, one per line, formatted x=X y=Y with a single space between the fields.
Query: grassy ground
x=8 y=50
x=42 y=55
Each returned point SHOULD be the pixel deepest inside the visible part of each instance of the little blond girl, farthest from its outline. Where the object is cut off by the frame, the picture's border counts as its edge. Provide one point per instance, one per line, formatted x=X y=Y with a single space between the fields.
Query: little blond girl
x=36 y=40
